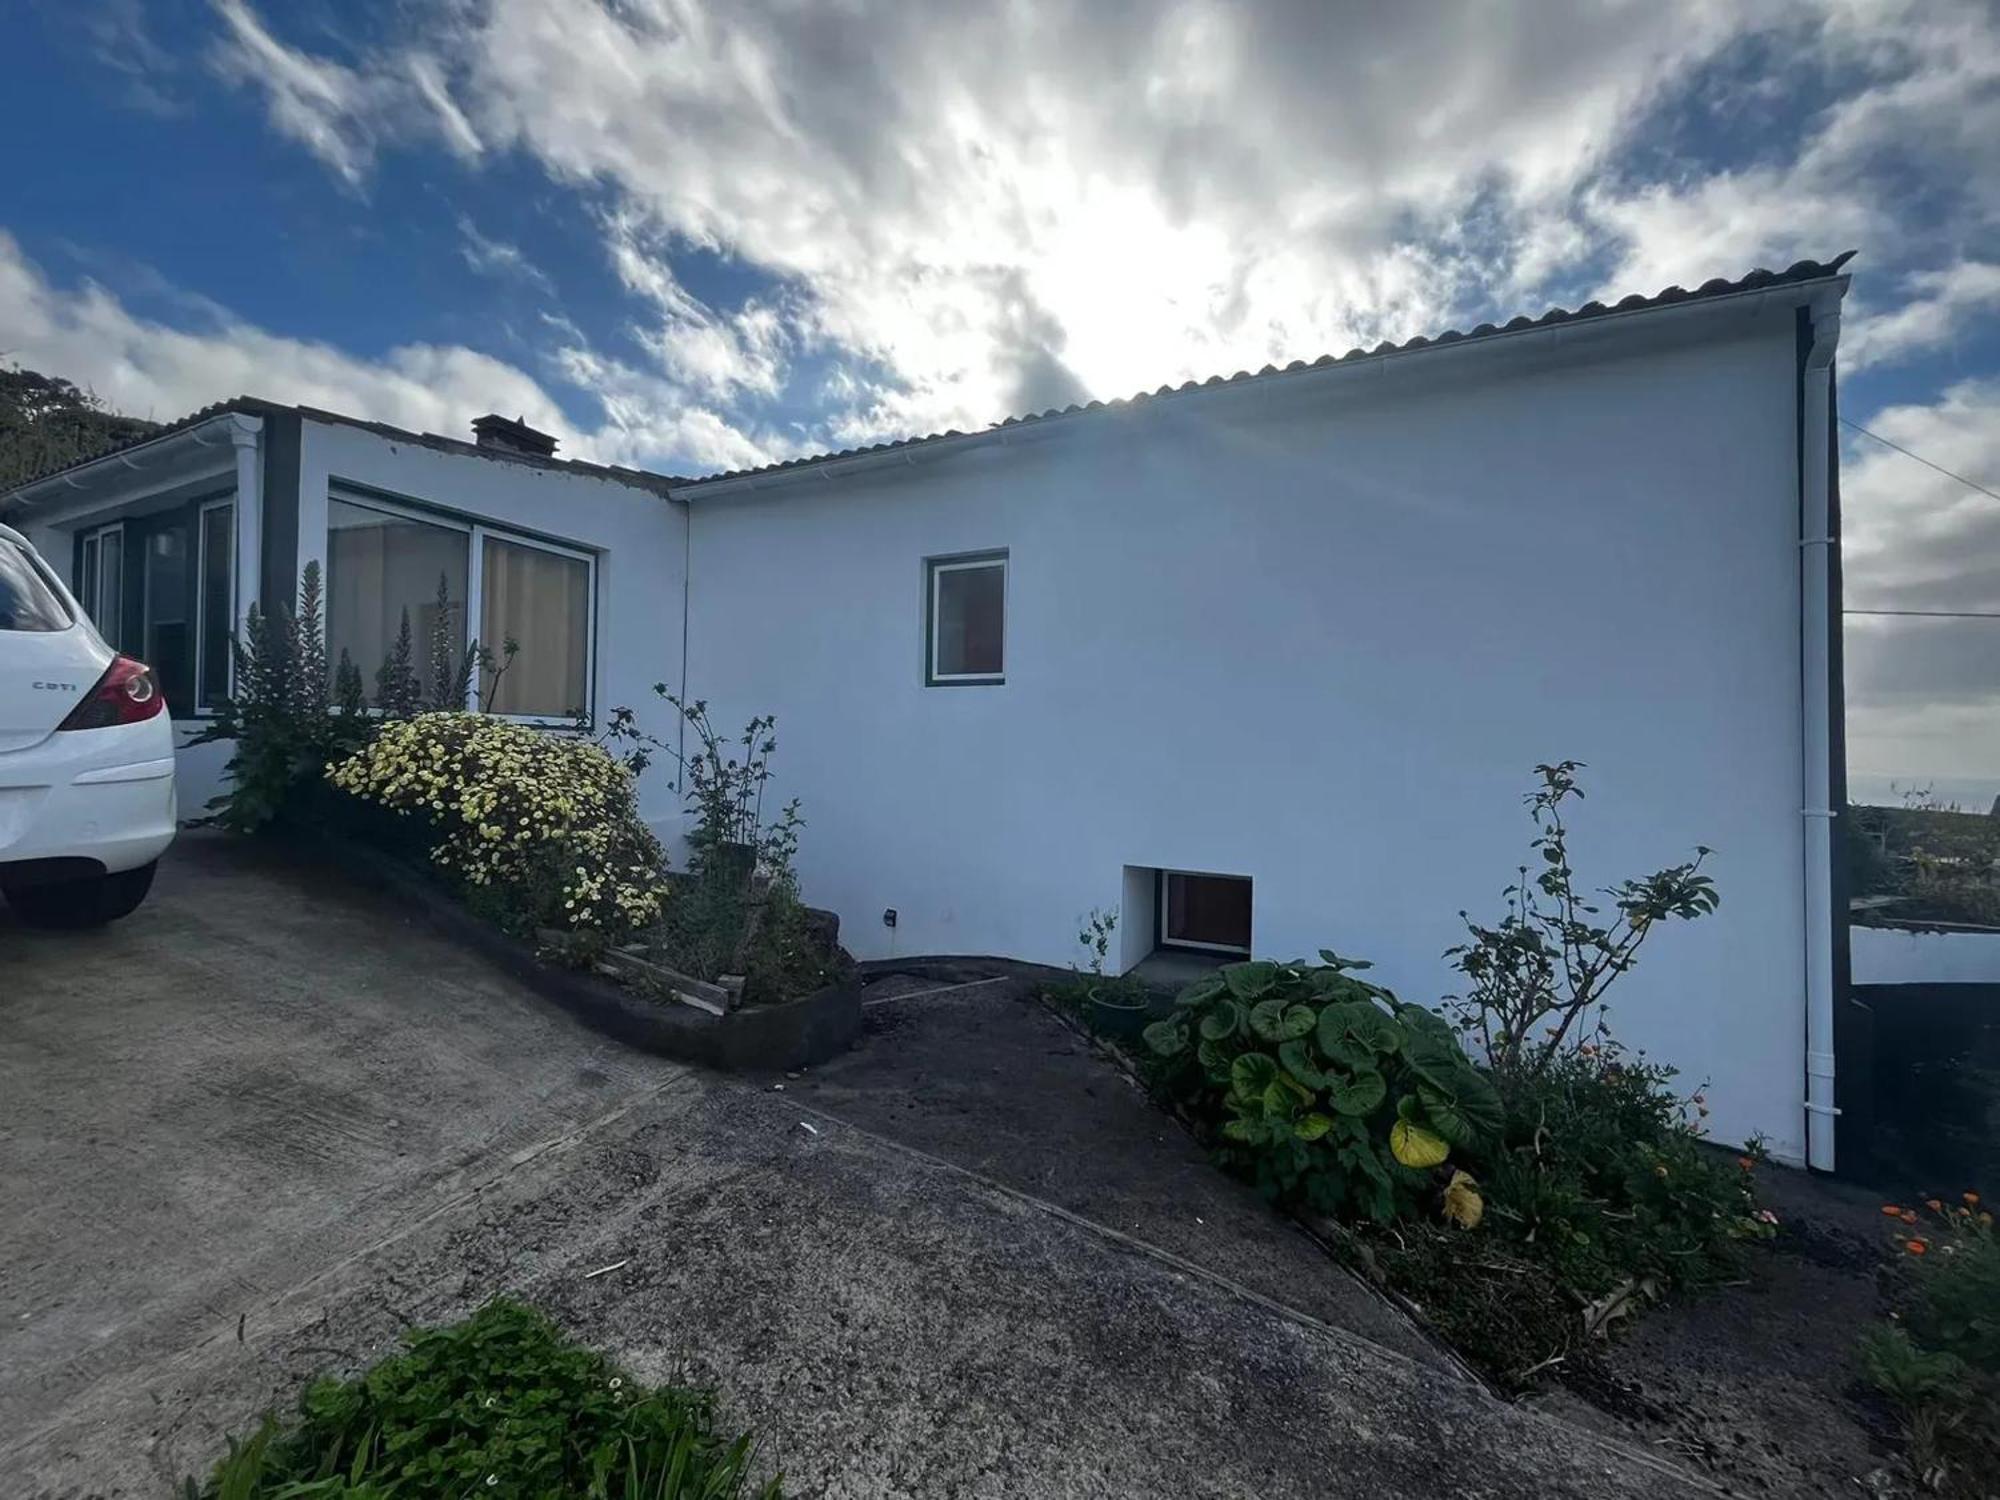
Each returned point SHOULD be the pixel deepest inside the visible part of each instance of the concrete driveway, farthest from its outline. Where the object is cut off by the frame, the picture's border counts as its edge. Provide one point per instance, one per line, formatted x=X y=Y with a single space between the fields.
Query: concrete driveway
x=256 y=1130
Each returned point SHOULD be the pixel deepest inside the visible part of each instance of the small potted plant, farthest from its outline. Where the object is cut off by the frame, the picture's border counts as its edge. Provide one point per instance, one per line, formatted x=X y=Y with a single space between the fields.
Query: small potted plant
x=1116 y=1005
x=1119 y=1007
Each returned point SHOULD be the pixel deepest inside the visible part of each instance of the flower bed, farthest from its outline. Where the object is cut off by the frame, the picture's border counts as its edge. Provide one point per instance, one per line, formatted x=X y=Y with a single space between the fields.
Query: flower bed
x=1502 y=1168
x=511 y=836
x=538 y=831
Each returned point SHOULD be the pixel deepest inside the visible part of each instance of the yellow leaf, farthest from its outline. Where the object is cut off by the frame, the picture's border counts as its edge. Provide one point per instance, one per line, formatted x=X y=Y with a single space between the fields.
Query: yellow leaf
x=1415 y=1146
x=1462 y=1203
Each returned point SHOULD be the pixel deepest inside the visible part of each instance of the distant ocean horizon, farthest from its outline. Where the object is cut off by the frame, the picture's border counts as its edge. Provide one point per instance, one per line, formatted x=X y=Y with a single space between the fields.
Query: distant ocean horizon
x=1968 y=793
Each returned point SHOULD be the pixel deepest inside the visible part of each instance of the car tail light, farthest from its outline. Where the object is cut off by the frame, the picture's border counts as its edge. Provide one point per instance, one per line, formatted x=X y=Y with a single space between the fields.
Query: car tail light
x=125 y=694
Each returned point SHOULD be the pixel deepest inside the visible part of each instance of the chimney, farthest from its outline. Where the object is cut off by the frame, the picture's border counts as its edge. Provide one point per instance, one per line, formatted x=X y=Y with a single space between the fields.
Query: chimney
x=496 y=431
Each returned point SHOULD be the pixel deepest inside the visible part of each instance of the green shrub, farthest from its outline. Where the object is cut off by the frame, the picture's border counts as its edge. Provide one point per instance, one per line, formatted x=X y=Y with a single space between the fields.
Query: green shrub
x=1323 y=1089
x=1539 y=975
x=288 y=714
x=499 y=1405
x=540 y=830
x=1956 y=1308
x=1601 y=1175
x=738 y=912
x=723 y=783
x=1939 y=1366
x=283 y=719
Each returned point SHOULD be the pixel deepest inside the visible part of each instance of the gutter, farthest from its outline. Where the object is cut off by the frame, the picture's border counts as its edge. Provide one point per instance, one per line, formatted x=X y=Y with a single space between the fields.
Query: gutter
x=1818 y=562
x=141 y=458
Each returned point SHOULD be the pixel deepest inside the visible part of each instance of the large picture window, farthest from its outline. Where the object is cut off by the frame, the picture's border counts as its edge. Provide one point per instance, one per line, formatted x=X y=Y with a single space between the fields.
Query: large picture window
x=383 y=568
x=385 y=562
x=539 y=600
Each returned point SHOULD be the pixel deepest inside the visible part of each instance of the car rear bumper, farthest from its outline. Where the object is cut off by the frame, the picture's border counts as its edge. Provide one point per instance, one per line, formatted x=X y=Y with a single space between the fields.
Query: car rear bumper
x=113 y=806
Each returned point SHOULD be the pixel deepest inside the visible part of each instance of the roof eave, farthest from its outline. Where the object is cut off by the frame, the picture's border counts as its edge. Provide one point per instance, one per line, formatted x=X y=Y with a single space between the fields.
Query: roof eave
x=149 y=454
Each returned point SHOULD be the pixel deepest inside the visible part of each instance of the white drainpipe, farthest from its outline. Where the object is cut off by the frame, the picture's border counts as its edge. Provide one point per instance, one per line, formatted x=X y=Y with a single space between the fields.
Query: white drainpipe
x=1815 y=552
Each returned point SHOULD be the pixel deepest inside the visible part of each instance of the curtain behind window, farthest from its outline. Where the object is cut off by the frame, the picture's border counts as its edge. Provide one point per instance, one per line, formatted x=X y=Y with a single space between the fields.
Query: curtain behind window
x=541 y=601
x=379 y=565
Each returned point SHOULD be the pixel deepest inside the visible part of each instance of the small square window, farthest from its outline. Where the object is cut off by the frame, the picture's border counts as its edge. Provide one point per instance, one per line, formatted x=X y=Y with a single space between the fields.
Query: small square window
x=967 y=619
x=1205 y=911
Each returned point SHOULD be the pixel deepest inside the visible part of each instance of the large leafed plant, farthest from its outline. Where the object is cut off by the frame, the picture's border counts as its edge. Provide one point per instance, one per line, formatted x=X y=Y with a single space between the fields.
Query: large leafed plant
x=1323 y=1088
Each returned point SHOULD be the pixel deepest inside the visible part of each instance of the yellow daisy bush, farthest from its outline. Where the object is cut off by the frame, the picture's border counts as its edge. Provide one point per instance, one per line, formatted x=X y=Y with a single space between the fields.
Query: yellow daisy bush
x=545 y=826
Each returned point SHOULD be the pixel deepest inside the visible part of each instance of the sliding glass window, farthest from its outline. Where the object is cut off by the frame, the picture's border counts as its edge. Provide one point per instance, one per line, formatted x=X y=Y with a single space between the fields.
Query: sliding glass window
x=100 y=579
x=386 y=563
x=537 y=600
x=385 y=569
x=216 y=587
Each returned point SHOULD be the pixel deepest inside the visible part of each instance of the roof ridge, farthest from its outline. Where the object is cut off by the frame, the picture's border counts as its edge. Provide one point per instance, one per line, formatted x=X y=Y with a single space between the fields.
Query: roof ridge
x=1797 y=272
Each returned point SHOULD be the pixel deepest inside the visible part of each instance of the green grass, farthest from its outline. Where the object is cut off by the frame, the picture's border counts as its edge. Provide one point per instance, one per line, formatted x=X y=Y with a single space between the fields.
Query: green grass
x=500 y=1405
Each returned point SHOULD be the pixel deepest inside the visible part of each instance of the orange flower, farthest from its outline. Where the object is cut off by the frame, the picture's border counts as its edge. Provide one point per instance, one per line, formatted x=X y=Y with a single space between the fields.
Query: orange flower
x=1971 y=1200
x=1916 y=1247
x=1892 y=1211
x=1909 y=1217
x=1746 y=1163
x=1934 y=1205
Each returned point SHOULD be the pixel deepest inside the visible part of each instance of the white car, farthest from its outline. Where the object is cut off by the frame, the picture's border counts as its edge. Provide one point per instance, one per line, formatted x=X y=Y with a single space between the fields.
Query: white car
x=86 y=757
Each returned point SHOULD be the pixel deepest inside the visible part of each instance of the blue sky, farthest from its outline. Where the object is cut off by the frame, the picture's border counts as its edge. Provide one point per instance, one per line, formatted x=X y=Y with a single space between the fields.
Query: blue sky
x=696 y=235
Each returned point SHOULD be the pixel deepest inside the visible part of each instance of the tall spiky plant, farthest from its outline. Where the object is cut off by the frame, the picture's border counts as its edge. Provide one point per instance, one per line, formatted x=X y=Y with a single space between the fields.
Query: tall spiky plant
x=398 y=693
x=283 y=723
x=451 y=674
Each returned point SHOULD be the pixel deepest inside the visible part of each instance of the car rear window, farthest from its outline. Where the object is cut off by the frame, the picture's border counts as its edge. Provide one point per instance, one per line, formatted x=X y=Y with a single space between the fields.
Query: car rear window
x=26 y=600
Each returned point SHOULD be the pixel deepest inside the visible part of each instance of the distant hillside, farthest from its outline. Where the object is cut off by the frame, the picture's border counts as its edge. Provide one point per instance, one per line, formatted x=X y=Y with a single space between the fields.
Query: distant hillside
x=1924 y=863
x=45 y=423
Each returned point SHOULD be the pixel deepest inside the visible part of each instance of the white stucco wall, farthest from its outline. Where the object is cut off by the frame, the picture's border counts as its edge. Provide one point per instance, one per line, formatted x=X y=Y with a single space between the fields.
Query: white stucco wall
x=1897 y=955
x=1317 y=634
x=638 y=537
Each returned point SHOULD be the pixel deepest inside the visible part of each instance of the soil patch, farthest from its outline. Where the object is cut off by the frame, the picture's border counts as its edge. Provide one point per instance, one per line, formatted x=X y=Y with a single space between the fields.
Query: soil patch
x=1757 y=1385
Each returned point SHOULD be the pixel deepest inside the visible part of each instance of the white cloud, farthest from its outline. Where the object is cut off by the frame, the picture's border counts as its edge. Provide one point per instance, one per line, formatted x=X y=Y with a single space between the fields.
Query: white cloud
x=322 y=105
x=1915 y=128
x=149 y=369
x=1013 y=207
x=715 y=354
x=341 y=114
x=428 y=79
x=492 y=257
x=995 y=210
x=1940 y=306
x=645 y=414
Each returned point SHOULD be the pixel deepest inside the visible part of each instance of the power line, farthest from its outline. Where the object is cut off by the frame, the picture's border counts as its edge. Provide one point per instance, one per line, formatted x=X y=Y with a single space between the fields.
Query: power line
x=1925 y=614
x=1968 y=483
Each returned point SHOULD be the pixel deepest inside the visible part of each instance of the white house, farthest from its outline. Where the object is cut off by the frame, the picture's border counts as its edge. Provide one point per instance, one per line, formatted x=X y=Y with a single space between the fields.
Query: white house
x=1264 y=663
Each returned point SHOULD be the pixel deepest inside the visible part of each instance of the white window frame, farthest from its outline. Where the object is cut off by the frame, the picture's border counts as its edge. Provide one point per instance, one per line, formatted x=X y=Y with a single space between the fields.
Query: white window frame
x=475 y=591
x=1166 y=941
x=221 y=502
x=91 y=594
x=935 y=568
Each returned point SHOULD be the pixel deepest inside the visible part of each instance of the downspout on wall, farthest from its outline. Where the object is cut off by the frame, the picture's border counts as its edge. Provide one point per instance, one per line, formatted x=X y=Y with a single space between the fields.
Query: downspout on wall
x=1817 y=562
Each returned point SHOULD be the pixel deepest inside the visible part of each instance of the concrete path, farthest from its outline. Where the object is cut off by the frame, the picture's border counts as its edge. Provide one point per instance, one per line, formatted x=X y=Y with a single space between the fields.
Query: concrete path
x=253 y=1132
